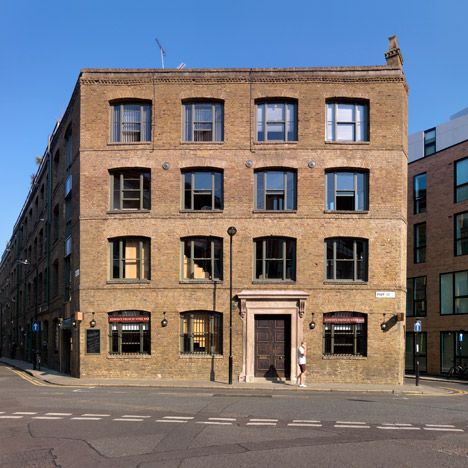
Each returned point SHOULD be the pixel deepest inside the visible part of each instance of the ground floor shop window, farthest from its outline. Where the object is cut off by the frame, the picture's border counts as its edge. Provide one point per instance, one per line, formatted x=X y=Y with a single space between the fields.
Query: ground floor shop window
x=201 y=333
x=453 y=350
x=129 y=332
x=345 y=334
x=416 y=346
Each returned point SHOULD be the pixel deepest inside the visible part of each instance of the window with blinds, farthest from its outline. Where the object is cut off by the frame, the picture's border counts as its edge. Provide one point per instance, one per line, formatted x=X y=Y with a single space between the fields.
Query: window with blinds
x=131 y=122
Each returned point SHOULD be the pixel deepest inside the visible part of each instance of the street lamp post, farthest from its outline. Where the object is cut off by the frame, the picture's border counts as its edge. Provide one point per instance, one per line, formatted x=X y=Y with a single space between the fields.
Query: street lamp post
x=232 y=232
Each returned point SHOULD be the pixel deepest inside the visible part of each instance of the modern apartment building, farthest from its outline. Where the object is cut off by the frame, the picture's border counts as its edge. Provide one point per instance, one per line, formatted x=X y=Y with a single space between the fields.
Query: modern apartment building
x=120 y=258
x=438 y=246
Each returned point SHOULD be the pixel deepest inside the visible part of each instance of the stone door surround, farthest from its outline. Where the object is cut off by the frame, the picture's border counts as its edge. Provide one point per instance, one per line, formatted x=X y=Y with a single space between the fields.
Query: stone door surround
x=266 y=302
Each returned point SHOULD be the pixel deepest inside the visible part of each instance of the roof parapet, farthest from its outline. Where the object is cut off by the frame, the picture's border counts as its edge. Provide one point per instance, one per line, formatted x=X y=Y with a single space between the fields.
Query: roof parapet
x=393 y=55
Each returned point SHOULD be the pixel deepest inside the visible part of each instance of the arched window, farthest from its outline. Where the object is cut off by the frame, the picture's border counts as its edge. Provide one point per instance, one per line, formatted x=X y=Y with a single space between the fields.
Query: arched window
x=130 y=189
x=130 y=258
x=129 y=332
x=276 y=120
x=202 y=258
x=345 y=333
x=201 y=332
x=347 y=120
x=275 y=189
x=346 y=259
x=203 y=121
x=347 y=190
x=202 y=189
x=130 y=122
x=275 y=259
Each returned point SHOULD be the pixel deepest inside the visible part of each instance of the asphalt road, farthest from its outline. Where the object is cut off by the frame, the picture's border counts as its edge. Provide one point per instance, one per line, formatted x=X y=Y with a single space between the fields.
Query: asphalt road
x=43 y=425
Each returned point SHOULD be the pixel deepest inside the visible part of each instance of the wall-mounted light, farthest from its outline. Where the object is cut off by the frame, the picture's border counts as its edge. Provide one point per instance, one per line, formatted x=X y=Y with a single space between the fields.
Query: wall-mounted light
x=74 y=322
x=92 y=323
x=312 y=323
x=384 y=325
x=164 y=321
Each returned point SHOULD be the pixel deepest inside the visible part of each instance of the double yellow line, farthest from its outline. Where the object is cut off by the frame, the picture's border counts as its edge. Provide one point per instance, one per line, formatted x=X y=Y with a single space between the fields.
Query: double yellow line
x=29 y=378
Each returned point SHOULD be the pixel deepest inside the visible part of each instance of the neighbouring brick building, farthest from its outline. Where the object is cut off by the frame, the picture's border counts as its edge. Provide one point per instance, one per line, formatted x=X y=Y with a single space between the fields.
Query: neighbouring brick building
x=121 y=252
x=438 y=246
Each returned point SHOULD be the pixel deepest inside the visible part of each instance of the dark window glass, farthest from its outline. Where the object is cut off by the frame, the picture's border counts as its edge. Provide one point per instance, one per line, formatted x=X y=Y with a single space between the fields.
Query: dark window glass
x=461 y=234
x=201 y=333
x=347 y=191
x=461 y=180
x=419 y=193
x=277 y=121
x=454 y=293
x=416 y=297
x=202 y=258
x=429 y=142
x=275 y=190
x=131 y=190
x=131 y=122
x=345 y=333
x=275 y=259
x=346 y=259
x=420 y=243
x=203 y=190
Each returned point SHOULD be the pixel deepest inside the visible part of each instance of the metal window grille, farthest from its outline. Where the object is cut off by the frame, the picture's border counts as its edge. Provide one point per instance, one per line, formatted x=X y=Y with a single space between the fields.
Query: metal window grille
x=201 y=333
x=346 y=338
x=130 y=336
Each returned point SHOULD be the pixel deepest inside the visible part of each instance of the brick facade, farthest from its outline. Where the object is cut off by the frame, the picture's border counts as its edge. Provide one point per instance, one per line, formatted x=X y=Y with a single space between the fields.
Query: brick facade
x=166 y=295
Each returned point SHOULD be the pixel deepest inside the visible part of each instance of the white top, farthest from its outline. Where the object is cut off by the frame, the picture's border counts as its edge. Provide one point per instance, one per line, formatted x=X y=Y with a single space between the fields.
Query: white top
x=301 y=355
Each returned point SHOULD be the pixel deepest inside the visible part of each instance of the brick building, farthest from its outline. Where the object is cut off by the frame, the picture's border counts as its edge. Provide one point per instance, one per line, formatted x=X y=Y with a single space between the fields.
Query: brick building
x=437 y=246
x=121 y=252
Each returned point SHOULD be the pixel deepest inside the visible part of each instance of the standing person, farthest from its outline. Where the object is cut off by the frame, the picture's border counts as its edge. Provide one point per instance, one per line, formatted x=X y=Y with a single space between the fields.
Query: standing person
x=301 y=359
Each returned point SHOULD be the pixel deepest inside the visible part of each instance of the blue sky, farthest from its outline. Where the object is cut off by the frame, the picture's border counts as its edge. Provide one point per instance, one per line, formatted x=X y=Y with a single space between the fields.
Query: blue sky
x=44 y=44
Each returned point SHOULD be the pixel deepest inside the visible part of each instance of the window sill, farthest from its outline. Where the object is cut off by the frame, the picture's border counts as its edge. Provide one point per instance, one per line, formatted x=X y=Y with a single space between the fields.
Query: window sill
x=327 y=142
x=200 y=356
x=263 y=143
x=273 y=281
x=129 y=143
x=200 y=211
x=343 y=357
x=123 y=212
x=207 y=281
x=124 y=281
x=342 y=282
x=129 y=356
x=201 y=143
x=346 y=212
x=274 y=211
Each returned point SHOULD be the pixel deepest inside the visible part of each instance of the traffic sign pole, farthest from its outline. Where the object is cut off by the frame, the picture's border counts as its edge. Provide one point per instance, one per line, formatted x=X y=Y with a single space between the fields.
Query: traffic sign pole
x=417 y=328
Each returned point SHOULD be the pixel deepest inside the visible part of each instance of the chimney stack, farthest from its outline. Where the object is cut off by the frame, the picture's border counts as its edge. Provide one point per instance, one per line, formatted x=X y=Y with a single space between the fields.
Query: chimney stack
x=393 y=55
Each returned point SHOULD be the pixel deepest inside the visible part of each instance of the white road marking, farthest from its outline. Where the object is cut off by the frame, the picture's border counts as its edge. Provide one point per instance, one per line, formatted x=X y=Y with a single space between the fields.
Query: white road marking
x=350 y=422
x=443 y=429
x=397 y=424
x=178 y=417
x=263 y=420
x=134 y=416
x=25 y=412
x=305 y=421
x=80 y=418
x=172 y=420
x=352 y=426
x=219 y=423
x=58 y=414
x=440 y=425
x=400 y=428
x=222 y=419
x=47 y=417
x=304 y=425
x=2 y=412
x=11 y=417
x=128 y=419
x=261 y=424
x=99 y=415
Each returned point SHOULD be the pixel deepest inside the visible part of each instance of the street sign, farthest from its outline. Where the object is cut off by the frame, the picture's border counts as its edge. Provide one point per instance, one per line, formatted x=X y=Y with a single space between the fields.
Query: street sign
x=36 y=327
x=417 y=327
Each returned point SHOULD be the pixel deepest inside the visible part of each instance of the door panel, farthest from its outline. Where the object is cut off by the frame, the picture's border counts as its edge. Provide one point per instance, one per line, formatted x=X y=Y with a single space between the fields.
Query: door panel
x=272 y=346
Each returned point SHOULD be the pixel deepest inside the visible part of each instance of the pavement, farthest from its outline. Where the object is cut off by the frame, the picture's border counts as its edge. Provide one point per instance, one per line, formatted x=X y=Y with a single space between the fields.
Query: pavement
x=55 y=378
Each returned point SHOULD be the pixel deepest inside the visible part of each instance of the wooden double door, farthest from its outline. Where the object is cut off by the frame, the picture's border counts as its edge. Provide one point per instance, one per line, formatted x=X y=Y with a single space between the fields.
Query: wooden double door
x=273 y=346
